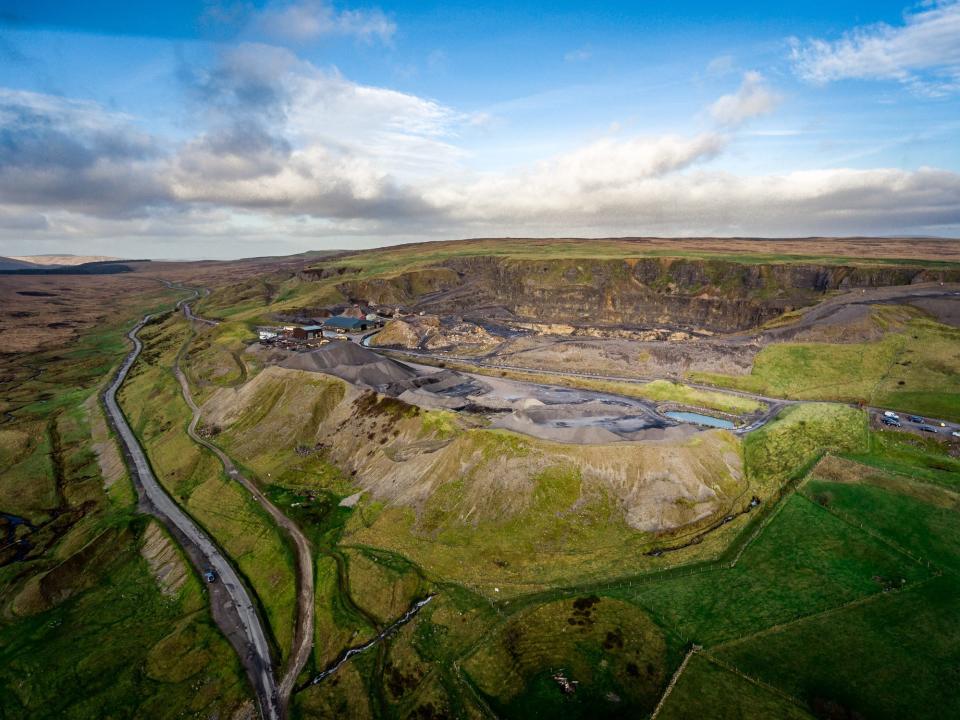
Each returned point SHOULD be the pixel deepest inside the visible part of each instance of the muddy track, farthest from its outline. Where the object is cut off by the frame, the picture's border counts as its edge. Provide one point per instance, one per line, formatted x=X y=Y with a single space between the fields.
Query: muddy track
x=303 y=632
x=231 y=604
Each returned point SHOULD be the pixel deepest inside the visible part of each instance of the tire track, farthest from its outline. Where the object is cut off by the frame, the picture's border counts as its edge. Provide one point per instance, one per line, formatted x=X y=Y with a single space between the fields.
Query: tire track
x=303 y=632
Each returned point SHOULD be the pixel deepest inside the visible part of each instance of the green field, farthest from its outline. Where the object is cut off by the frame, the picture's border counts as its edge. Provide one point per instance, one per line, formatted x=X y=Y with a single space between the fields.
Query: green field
x=805 y=562
x=87 y=630
x=915 y=370
x=709 y=690
x=833 y=595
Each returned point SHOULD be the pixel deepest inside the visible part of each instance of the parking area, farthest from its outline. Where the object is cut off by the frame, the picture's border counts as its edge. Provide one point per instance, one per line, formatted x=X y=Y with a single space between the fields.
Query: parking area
x=916 y=424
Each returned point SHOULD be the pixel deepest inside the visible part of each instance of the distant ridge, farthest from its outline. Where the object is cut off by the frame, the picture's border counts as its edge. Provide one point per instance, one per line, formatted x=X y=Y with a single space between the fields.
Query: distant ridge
x=7 y=263
x=108 y=267
x=63 y=259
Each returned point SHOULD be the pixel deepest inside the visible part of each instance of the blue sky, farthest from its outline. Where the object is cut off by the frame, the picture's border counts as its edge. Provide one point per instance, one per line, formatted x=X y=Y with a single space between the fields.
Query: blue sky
x=226 y=129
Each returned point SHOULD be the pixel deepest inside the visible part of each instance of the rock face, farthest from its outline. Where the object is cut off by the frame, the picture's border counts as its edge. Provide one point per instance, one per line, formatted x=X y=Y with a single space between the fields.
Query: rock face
x=164 y=560
x=430 y=333
x=712 y=295
x=396 y=333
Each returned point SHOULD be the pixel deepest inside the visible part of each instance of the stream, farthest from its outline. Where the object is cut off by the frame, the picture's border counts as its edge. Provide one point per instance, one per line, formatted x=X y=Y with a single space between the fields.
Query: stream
x=339 y=662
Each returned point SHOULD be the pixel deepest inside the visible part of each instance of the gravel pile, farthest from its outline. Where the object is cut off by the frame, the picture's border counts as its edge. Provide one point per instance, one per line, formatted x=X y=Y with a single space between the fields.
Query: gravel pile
x=352 y=363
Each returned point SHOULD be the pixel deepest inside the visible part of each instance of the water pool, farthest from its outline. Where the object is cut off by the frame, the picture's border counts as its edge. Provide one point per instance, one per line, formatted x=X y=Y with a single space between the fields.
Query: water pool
x=698 y=419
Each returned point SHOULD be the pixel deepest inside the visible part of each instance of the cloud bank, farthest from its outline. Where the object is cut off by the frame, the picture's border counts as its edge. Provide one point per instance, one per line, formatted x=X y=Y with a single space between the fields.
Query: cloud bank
x=286 y=150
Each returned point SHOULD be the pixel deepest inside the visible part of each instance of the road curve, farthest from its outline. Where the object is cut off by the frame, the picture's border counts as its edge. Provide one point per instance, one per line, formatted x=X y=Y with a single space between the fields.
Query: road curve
x=303 y=633
x=259 y=663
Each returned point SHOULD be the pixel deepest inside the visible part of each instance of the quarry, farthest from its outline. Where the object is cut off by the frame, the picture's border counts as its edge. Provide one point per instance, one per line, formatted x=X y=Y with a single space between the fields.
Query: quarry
x=499 y=472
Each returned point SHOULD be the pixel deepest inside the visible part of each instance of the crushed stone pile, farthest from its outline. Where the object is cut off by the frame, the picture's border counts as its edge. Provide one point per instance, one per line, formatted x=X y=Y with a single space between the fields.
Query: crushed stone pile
x=352 y=363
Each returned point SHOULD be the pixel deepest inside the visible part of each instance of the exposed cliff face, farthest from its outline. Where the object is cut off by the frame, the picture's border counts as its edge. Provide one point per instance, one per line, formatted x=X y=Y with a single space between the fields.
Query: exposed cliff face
x=711 y=295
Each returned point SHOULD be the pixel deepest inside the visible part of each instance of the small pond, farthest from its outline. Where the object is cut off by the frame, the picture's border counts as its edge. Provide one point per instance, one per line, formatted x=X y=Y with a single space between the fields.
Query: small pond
x=698 y=419
x=8 y=537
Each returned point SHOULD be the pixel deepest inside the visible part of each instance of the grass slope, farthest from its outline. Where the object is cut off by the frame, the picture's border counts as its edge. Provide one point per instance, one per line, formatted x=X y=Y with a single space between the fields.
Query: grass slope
x=157 y=412
x=707 y=690
x=86 y=630
x=917 y=370
x=805 y=562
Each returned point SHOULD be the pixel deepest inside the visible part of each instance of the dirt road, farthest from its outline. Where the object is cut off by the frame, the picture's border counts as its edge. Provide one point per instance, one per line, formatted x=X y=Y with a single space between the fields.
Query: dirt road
x=303 y=633
x=235 y=611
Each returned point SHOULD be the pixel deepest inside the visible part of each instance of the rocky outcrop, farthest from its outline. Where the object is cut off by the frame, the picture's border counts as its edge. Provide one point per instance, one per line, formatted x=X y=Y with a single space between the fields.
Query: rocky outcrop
x=166 y=564
x=712 y=295
x=396 y=333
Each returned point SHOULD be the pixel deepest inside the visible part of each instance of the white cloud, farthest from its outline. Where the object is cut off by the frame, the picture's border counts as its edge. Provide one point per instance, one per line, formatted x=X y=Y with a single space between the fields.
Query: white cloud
x=923 y=53
x=577 y=181
x=751 y=99
x=718 y=203
x=71 y=153
x=288 y=150
x=579 y=55
x=720 y=66
x=312 y=19
x=291 y=137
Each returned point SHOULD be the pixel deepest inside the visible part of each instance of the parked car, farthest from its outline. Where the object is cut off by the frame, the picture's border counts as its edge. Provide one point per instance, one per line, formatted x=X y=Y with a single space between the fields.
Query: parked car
x=929 y=428
x=915 y=418
x=891 y=414
x=956 y=433
x=890 y=421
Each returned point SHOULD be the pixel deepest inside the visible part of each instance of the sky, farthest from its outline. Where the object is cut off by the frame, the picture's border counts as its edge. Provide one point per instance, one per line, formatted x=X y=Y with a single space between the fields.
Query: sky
x=221 y=129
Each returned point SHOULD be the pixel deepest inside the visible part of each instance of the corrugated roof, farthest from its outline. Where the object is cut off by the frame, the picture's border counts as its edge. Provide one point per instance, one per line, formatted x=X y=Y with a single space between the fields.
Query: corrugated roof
x=312 y=328
x=344 y=322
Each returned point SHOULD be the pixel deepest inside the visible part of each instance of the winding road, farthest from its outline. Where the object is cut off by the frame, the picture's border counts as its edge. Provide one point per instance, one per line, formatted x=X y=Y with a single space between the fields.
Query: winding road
x=238 y=606
x=303 y=633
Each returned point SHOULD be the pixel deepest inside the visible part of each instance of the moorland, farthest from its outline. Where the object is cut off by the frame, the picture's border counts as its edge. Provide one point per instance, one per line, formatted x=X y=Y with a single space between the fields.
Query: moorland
x=552 y=478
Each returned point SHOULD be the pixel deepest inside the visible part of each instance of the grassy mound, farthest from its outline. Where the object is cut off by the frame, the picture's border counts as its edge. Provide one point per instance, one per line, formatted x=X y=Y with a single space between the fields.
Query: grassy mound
x=800 y=433
x=611 y=650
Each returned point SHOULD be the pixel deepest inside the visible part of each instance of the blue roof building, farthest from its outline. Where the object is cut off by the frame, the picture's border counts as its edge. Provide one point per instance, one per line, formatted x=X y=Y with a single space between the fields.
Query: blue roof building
x=347 y=324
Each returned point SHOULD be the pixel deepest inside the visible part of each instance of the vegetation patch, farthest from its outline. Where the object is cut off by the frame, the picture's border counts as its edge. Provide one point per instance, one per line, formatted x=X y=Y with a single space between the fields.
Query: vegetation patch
x=917 y=370
x=799 y=434
x=805 y=561
x=887 y=658
x=916 y=456
x=586 y=657
x=708 y=690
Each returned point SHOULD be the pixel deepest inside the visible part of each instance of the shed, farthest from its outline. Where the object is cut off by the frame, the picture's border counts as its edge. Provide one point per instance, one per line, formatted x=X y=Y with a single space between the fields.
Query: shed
x=308 y=332
x=341 y=323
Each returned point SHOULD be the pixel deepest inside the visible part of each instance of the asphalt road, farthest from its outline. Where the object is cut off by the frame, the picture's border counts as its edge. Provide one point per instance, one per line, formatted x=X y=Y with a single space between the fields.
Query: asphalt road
x=258 y=661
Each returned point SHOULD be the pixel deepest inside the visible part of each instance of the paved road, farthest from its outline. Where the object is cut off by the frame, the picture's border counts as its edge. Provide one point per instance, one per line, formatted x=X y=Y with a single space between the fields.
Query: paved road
x=303 y=633
x=258 y=660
